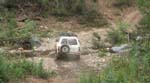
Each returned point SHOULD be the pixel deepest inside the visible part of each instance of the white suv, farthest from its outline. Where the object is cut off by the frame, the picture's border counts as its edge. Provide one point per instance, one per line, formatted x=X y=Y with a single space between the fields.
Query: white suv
x=67 y=46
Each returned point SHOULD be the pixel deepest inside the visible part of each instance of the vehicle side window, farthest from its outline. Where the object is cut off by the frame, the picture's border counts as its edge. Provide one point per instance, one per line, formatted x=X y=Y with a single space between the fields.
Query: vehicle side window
x=72 y=42
x=64 y=41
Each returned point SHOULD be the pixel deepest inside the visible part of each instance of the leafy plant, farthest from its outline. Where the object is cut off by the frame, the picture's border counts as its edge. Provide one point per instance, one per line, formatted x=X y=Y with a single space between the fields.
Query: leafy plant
x=123 y=70
x=14 y=70
x=118 y=36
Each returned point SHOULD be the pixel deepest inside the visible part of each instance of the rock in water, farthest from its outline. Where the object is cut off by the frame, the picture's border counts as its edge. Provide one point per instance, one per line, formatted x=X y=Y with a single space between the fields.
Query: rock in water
x=119 y=49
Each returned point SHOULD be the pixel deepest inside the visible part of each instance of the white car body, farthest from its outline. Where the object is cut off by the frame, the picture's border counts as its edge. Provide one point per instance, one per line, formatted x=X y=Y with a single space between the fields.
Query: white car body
x=72 y=42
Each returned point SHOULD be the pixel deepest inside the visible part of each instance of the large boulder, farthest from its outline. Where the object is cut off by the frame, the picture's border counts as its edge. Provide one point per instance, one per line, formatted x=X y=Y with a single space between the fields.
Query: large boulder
x=120 y=49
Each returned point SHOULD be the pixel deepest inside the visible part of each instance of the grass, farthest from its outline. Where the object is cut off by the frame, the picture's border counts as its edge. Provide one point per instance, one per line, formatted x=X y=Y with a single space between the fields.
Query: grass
x=61 y=9
x=143 y=28
x=15 y=70
x=11 y=34
x=132 y=68
x=123 y=70
x=89 y=78
x=118 y=35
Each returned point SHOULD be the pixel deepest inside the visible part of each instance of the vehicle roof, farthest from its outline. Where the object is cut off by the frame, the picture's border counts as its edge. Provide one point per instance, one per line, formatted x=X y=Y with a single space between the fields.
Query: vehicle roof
x=71 y=37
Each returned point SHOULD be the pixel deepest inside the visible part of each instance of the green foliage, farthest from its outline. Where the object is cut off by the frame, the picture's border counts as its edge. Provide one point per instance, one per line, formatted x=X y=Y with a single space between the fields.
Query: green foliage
x=144 y=5
x=143 y=28
x=14 y=70
x=118 y=36
x=28 y=29
x=123 y=70
x=12 y=34
x=89 y=78
x=62 y=8
x=56 y=7
x=40 y=72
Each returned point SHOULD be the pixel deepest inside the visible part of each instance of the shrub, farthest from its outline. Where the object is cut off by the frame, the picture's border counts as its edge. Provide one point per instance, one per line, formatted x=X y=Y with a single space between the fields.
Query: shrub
x=96 y=41
x=99 y=45
x=56 y=7
x=89 y=78
x=118 y=36
x=128 y=69
x=143 y=27
x=14 y=70
x=123 y=70
x=60 y=8
x=13 y=35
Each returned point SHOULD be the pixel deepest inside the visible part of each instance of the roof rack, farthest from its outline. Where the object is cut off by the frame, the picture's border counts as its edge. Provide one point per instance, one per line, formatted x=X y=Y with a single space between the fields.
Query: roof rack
x=67 y=34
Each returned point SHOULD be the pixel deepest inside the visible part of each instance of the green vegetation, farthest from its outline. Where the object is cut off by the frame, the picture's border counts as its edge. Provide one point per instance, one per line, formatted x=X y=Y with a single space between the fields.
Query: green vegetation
x=59 y=8
x=13 y=70
x=132 y=68
x=143 y=27
x=118 y=35
x=98 y=44
x=56 y=7
x=12 y=34
x=123 y=70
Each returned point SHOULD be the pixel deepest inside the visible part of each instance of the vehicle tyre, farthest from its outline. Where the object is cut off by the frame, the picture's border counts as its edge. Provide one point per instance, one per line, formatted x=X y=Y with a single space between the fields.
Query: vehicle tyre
x=65 y=49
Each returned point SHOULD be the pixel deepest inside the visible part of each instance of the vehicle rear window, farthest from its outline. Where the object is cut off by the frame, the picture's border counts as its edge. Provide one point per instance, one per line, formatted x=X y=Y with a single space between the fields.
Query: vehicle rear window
x=72 y=42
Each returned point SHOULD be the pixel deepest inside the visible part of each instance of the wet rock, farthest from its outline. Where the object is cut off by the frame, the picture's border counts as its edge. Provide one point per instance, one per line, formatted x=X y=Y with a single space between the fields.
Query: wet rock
x=120 y=49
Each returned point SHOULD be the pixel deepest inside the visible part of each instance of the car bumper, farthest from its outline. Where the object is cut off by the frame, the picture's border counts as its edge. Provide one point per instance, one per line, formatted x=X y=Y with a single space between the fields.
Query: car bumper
x=70 y=53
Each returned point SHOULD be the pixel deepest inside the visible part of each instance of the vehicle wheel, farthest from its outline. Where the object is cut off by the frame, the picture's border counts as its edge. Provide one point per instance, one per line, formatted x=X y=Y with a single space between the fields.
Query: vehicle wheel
x=63 y=52
x=65 y=49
